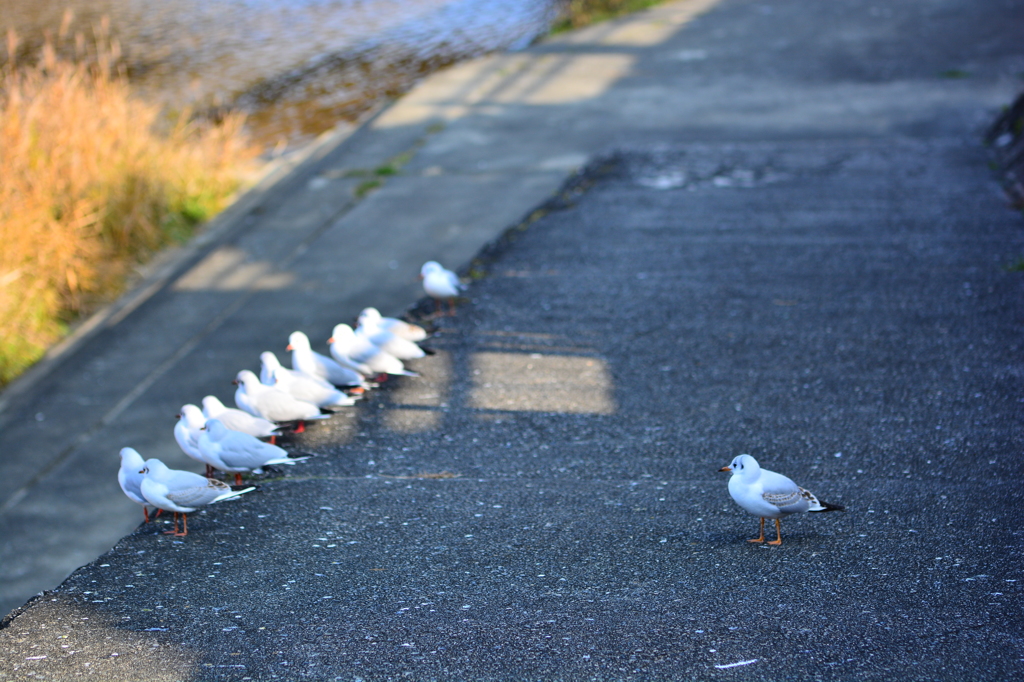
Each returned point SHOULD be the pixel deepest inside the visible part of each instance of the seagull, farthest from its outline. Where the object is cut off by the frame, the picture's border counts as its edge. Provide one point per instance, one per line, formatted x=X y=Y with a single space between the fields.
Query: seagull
x=308 y=361
x=186 y=432
x=371 y=317
x=300 y=385
x=360 y=350
x=238 y=420
x=440 y=283
x=272 y=403
x=770 y=495
x=181 y=492
x=236 y=452
x=130 y=477
x=389 y=342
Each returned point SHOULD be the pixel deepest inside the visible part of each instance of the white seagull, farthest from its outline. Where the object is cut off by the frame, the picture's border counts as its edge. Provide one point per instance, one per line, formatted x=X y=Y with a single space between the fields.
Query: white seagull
x=238 y=420
x=130 y=477
x=371 y=317
x=182 y=492
x=345 y=345
x=235 y=452
x=272 y=403
x=186 y=432
x=440 y=284
x=370 y=329
x=300 y=385
x=308 y=361
x=770 y=495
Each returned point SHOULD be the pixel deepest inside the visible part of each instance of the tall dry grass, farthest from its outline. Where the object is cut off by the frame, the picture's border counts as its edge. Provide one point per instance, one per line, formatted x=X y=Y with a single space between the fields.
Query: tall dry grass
x=92 y=182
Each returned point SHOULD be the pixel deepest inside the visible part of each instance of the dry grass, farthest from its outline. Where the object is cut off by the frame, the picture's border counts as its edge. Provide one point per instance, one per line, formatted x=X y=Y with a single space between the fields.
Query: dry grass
x=93 y=182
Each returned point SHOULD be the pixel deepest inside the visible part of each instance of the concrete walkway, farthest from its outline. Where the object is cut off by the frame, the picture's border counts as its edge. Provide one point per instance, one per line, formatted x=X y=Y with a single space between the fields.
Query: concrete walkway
x=787 y=244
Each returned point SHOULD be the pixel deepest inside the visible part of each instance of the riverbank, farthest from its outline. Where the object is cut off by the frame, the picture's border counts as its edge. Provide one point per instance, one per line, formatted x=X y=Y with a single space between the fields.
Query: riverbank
x=95 y=182
x=75 y=232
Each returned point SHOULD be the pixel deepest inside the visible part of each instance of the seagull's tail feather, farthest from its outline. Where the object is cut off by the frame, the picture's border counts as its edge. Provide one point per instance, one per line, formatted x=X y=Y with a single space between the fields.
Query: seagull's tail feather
x=825 y=506
x=817 y=505
x=405 y=373
x=428 y=351
x=233 y=494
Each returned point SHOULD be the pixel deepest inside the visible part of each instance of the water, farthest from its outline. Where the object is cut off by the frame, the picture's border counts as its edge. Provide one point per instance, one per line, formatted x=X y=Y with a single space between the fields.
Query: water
x=297 y=67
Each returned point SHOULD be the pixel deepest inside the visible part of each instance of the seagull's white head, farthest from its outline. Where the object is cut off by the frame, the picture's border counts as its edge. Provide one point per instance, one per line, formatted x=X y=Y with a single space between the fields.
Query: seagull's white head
x=212 y=406
x=193 y=416
x=429 y=267
x=342 y=334
x=370 y=317
x=298 y=341
x=744 y=466
x=246 y=378
x=215 y=429
x=269 y=360
x=131 y=459
x=156 y=469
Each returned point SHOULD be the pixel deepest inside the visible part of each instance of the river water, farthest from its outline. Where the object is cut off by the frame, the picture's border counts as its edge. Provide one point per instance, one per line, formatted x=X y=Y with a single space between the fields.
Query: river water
x=296 y=67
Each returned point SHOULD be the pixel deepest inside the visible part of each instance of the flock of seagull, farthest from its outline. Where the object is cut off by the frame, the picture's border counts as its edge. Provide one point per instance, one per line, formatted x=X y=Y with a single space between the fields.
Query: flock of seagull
x=279 y=400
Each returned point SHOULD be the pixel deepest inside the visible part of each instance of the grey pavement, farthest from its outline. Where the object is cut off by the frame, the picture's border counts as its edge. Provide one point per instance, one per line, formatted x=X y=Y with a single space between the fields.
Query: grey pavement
x=787 y=241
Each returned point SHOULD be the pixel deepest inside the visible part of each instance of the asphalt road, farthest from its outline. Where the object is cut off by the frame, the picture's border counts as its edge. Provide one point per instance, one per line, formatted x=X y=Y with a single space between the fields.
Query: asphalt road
x=544 y=501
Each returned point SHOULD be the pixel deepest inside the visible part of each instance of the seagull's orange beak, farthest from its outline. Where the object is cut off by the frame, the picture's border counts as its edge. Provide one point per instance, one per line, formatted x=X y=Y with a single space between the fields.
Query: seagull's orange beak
x=726 y=469
x=234 y=381
x=330 y=340
x=289 y=347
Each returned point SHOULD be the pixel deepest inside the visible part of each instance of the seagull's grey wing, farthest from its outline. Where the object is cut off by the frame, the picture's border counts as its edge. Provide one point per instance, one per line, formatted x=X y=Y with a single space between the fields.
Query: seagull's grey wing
x=198 y=496
x=245 y=452
x=782 y=492
x=279 y=406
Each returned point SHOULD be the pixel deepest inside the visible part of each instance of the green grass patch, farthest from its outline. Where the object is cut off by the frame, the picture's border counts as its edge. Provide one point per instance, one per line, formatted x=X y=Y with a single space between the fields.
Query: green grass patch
x=365 y=187
x=1015 y=266
x=580 y=13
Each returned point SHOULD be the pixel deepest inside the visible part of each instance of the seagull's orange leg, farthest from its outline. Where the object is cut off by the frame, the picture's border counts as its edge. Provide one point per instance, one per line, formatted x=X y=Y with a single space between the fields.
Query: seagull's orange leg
x=451 y=307
x=761 y=538
x=175 y=531
x=273 y=440
x=238 y=478
x=145 y=512
x=184 y=526
x=778 y=533
x=301 y=428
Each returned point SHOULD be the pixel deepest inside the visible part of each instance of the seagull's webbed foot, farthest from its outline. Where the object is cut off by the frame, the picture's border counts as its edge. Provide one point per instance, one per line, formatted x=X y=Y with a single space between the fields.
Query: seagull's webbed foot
x=761 y=537
x=778 y=533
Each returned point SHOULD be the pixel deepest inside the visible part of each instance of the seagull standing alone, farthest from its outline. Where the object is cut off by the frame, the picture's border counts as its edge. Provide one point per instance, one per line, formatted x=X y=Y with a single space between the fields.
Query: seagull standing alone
x=440 y=283
x=770 y=495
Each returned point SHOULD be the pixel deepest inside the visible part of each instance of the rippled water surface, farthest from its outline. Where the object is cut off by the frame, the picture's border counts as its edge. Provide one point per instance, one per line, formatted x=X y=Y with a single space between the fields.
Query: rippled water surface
x=297 y=66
